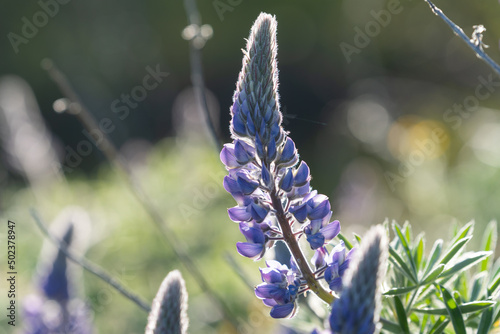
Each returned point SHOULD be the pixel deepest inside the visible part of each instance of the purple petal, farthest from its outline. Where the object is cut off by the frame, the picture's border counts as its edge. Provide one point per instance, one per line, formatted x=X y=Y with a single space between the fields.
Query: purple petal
x=269 y=302
x=331 y=230
x=271 y=150
x=314 y=226
x=286 y=182
x=238 y=125
x=245 y=109
x=249 y=250
x=332 y=272
x=273 y=291
x=320 y=210
x=252 y=234
x=239 y=214
x=250 y=126
x=343 y=267
x=276 y=132
x=338 y=254
x=276 y=264
x=271 y=275
x=336 y=285
x=300 y=212
x=246 y=185
x=288 y=154
x=282 y=311
x=302 y=191
x=240 y=153
x=231 y=185
x=259 y=147
x=227 y=156
x=301 y=175
x=266 y=177
x=316 y=240
x=318 y=258
x=258 y=213
x=236 y=107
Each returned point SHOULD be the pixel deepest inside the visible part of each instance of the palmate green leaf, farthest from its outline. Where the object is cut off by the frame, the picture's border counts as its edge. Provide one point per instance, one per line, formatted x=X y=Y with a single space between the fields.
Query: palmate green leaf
x=401 y=314
x=439 y=326
x=434 y=274
x=406 y=247
x=401 y=265
x=453 y=311
x=454 y=249
x=434 y=256
x=464 y=308
x=399 y=291
x=467 y=260
x=489 y=243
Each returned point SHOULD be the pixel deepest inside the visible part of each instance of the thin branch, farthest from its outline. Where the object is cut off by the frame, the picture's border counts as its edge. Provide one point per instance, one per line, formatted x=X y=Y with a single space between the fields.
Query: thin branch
x=474 y=44
x=78 y=109
x=87 y=265
x=196 y=43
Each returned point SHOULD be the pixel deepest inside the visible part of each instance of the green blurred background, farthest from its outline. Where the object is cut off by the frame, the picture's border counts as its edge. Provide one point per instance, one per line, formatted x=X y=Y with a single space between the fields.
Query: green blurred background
x=402 y=128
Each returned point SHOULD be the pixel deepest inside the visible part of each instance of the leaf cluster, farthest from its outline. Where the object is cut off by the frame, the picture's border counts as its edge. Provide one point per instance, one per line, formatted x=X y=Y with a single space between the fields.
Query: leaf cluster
x=451 y=290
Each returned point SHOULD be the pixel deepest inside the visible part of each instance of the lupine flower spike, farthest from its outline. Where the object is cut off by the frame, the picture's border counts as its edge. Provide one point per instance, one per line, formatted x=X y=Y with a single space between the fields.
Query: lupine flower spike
x=169 y=311
x=272 y=189
x=357 y=310
x=55 y=309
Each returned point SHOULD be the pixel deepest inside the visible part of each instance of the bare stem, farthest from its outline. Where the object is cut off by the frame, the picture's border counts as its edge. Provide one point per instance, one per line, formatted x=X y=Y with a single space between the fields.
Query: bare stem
x=197 y=77
x=460 y=33
x=297 y=253
x=89 y=266
x=107 y=147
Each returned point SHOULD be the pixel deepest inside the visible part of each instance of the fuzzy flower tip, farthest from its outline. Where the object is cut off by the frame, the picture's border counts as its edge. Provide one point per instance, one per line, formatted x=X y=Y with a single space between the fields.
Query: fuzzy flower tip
x=169 y=310
x=56 y=309
x=357 y=310
x=265 y=177
x=56 y=284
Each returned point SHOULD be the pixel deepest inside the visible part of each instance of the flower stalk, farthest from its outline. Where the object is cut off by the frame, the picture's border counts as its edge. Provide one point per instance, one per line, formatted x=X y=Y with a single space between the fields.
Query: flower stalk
x=294 y=247
x=272 y=187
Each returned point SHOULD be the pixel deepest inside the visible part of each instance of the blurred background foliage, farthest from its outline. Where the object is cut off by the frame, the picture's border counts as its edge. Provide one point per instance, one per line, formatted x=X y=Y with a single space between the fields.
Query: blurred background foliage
x=397 y=131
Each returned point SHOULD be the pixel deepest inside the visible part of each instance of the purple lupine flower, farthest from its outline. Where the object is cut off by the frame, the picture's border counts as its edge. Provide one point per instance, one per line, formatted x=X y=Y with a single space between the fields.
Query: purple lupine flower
x=43 y=316
x=357 y=310
x=56 y=285
x=272 y=189
x=280 y=288
x=55 y=309
x=337 y=262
